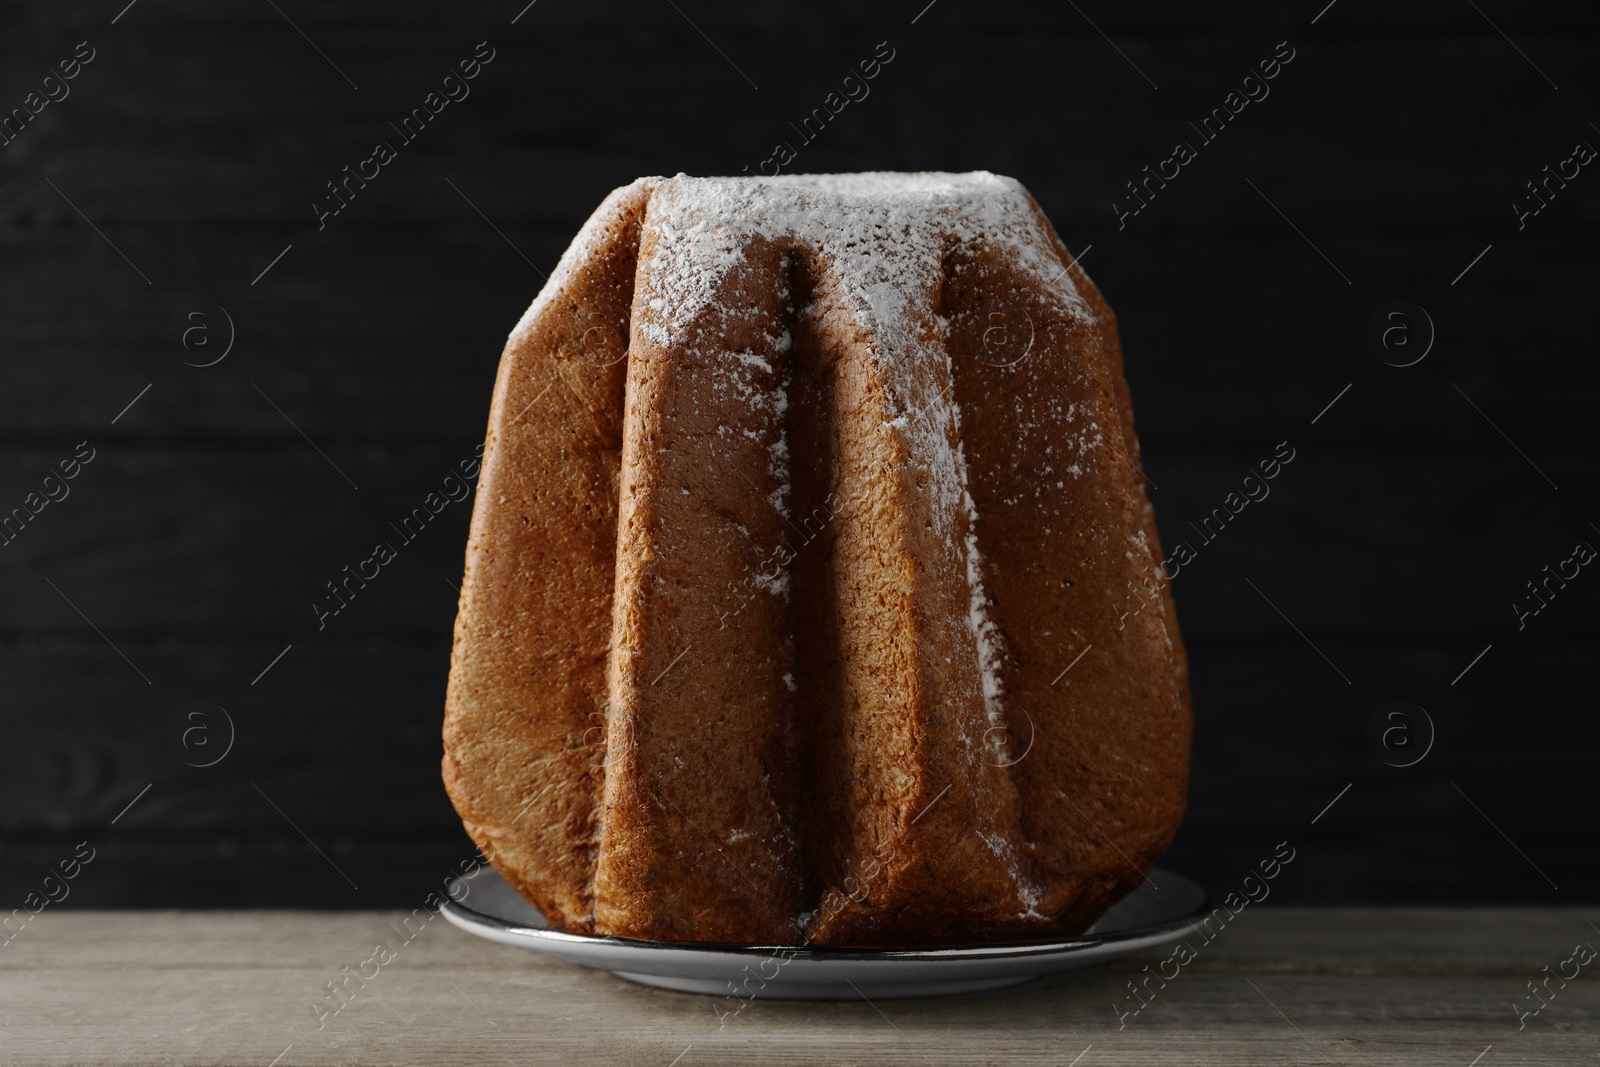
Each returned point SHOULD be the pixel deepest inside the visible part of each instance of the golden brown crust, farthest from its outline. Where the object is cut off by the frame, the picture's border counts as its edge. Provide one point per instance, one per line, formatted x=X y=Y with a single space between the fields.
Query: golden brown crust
x=696 y=841
x=818 y=617
x=525 y=711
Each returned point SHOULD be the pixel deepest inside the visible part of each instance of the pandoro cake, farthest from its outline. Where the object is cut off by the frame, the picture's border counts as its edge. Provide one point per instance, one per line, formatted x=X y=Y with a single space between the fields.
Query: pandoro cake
x=796 y=597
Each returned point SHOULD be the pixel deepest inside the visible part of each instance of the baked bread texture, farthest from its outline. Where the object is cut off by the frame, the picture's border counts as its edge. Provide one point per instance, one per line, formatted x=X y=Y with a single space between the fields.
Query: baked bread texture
x=805 y=592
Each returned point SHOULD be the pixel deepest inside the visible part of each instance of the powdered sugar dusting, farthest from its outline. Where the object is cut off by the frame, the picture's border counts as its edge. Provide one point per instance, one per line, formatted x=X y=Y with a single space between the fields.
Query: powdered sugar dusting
x=1007 y=855
x=884 y=233
x=984 y=632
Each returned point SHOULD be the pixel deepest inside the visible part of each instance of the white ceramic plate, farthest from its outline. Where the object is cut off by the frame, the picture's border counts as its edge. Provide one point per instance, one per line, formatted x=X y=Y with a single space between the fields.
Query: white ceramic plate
x=482 y=903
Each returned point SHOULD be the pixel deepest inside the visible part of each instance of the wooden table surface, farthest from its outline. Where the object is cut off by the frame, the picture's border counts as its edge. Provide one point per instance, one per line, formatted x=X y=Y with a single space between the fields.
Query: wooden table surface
x=1305 y=986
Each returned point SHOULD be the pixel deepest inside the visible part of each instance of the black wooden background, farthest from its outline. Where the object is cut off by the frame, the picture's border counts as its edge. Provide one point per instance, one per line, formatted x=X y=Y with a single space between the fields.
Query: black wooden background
x=186 y=559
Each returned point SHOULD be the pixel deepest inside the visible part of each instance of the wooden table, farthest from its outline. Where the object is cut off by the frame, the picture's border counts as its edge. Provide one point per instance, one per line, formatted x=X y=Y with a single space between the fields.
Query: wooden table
x=1305 y=986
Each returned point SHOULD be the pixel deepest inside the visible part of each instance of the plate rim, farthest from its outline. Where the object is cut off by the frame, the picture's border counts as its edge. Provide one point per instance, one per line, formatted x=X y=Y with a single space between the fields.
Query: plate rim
x=1132 y=938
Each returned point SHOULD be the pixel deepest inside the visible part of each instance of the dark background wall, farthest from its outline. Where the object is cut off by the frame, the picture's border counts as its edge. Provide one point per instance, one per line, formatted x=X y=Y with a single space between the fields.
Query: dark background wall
x=190 y=550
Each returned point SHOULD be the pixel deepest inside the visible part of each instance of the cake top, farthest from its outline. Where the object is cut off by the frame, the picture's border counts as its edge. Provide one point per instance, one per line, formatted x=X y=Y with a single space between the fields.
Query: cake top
x=878 y=228
x=883 y=233
x=886 y=186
